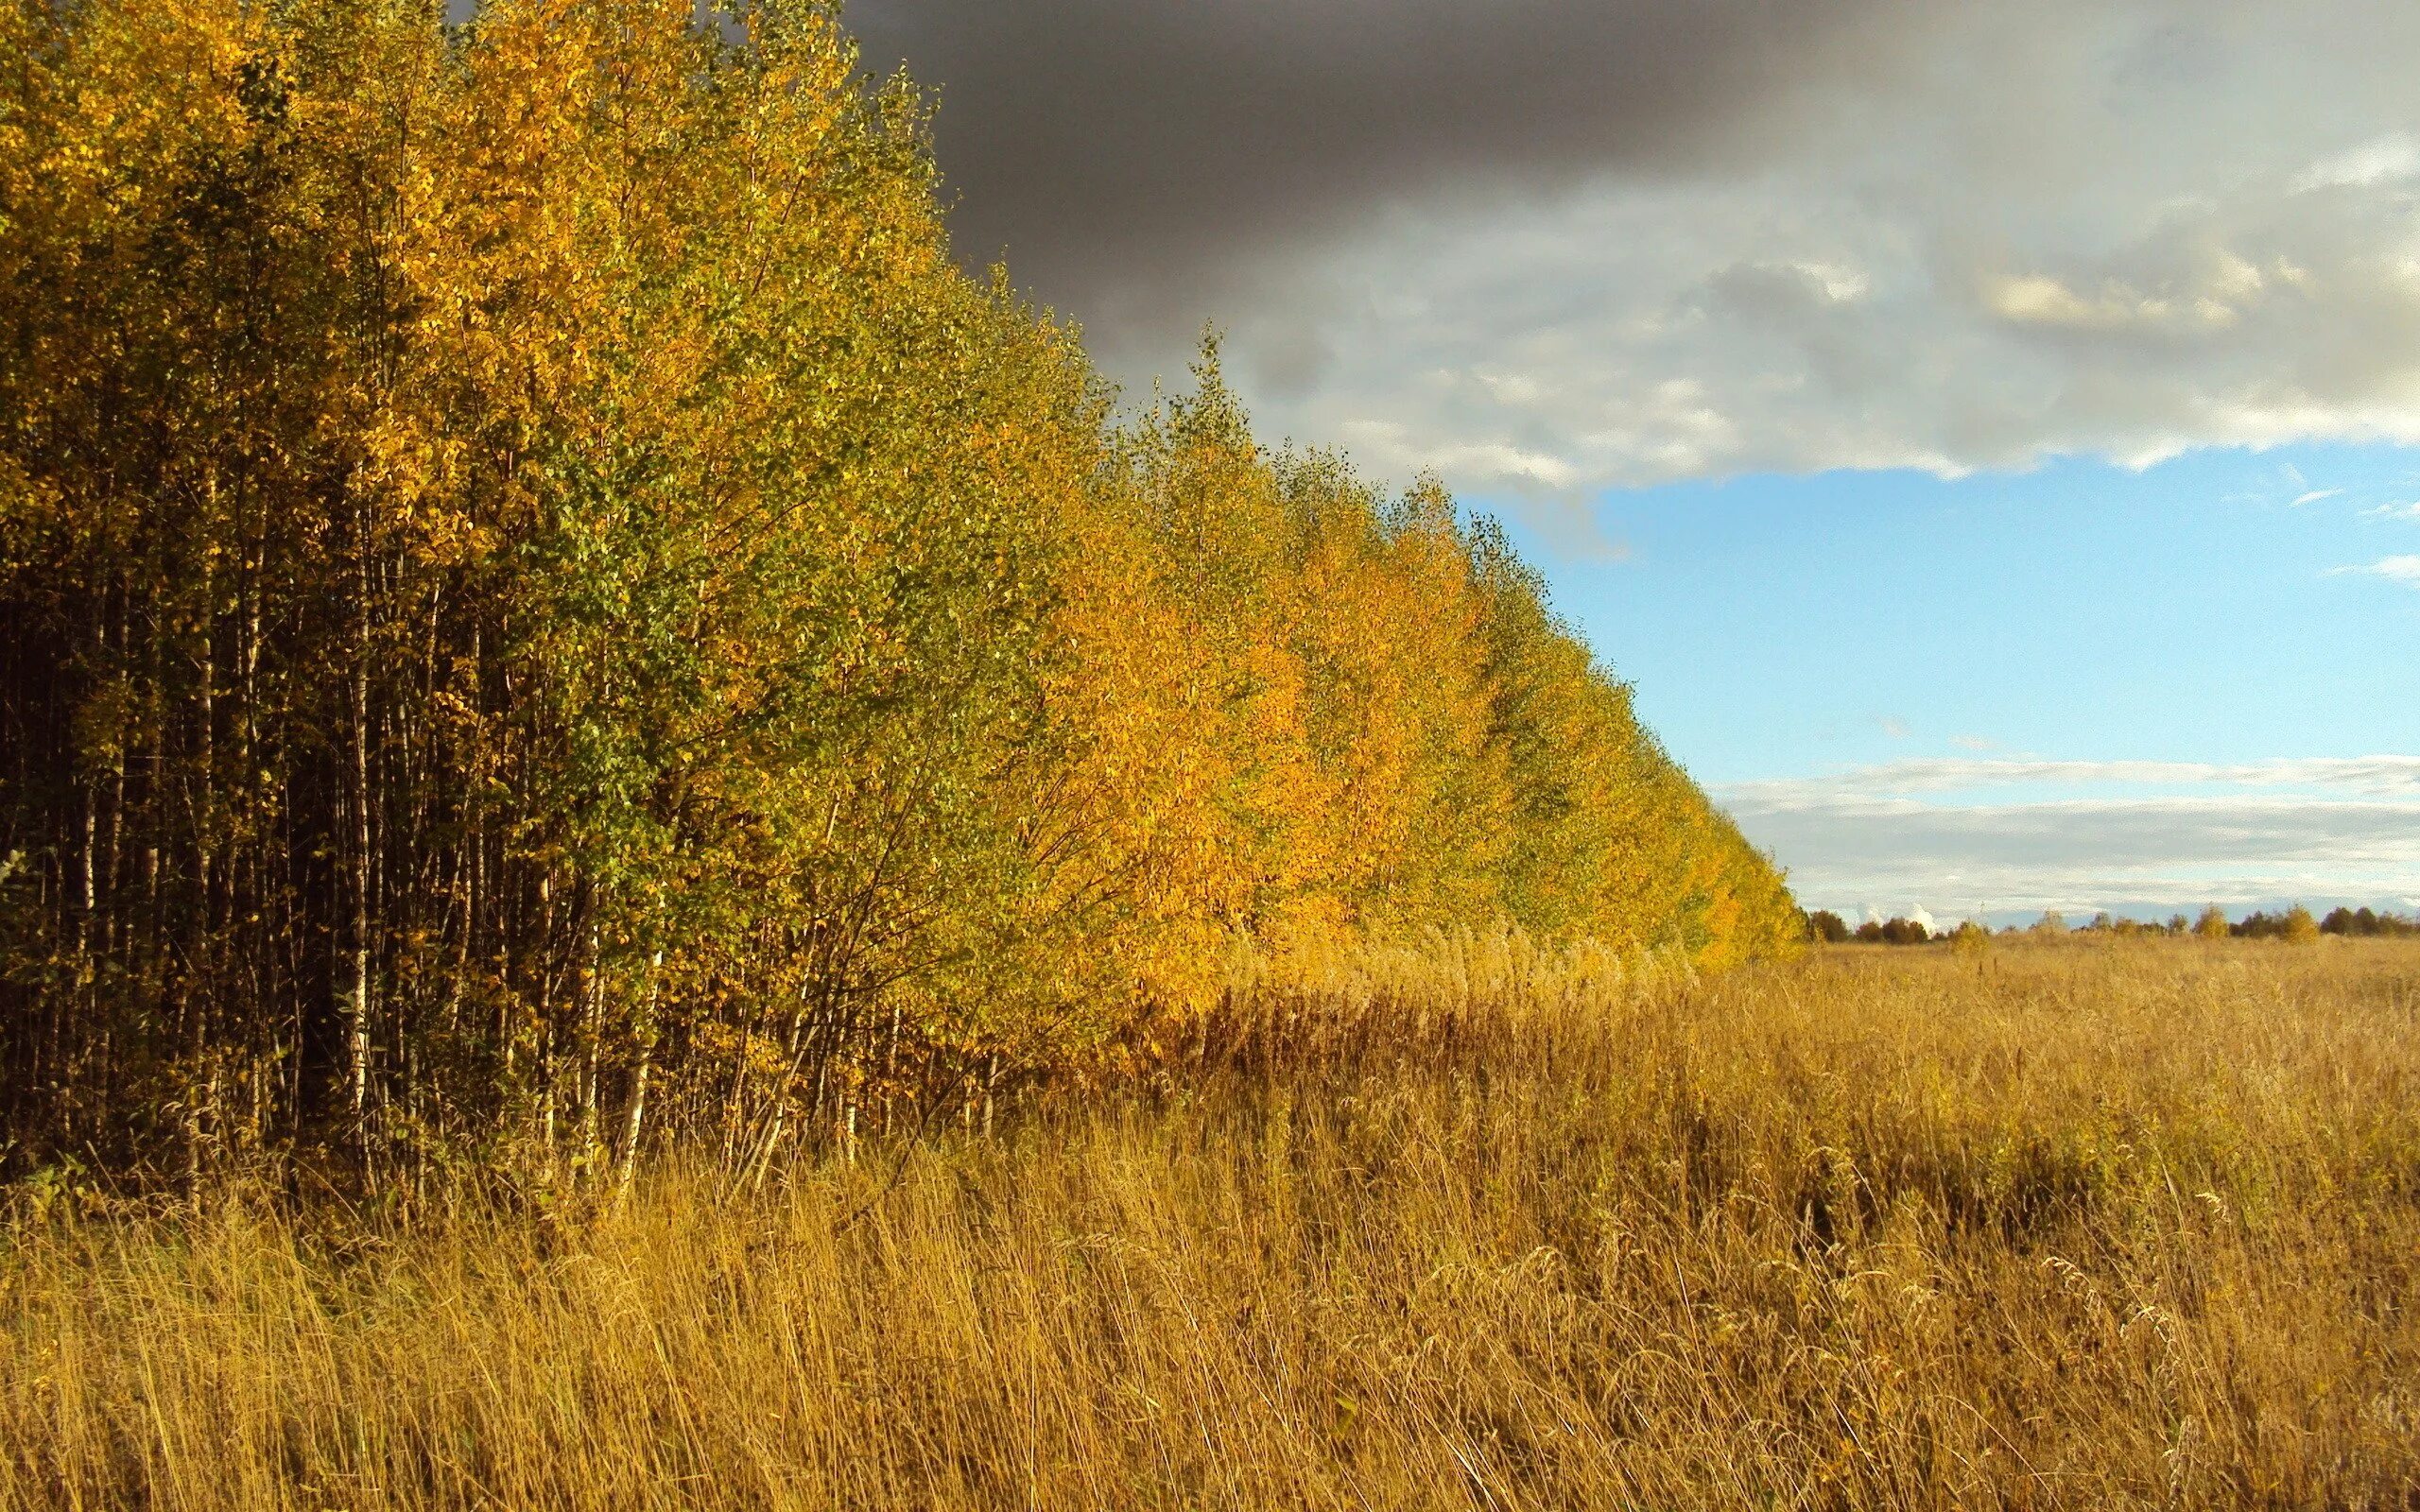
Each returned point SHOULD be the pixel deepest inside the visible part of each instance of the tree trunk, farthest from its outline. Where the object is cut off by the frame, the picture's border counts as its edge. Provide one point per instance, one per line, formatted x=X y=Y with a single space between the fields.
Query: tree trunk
x=635 y=1123
x=358 y=1004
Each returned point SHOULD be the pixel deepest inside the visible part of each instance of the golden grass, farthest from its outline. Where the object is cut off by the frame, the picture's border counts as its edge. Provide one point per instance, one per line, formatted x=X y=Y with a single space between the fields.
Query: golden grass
x=2048 y=1228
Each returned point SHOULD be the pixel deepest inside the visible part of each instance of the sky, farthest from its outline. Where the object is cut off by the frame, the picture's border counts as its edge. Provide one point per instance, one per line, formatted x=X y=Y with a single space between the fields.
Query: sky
x=1987 y=435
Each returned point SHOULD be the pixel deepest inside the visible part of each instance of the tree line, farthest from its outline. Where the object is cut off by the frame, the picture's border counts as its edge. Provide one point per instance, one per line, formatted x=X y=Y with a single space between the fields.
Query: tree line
x=2296 y=923
x=1826 y=927
x=2368 y=923
x=546 y=615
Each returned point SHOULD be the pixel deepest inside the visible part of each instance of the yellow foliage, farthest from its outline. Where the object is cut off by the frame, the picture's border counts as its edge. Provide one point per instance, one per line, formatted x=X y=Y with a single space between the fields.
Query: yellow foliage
x=535 y=579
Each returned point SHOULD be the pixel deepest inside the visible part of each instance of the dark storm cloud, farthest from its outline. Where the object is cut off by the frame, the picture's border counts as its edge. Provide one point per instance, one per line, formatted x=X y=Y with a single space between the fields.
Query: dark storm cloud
x=1545 y=247
x=1110 y=146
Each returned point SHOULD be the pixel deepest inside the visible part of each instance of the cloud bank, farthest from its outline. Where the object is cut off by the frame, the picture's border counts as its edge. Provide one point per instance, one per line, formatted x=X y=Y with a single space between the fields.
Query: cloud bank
x=1554 y=245
x=2016 y=836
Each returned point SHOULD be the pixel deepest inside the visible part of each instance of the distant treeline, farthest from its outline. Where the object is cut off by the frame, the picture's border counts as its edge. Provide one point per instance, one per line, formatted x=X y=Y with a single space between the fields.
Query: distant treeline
x=2361 y=922
x=544 y=614
x=1826 y=927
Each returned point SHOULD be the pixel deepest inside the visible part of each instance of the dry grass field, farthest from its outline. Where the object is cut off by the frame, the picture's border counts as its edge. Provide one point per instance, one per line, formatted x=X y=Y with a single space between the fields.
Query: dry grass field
x=2042 y=1226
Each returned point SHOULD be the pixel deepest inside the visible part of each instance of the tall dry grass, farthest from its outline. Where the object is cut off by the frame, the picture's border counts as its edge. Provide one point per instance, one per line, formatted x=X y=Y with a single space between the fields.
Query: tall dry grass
x=2044 y=1228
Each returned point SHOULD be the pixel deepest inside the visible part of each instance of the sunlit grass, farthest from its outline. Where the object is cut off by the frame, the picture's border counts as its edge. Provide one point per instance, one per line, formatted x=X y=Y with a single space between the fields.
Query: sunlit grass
x=1474 y=1226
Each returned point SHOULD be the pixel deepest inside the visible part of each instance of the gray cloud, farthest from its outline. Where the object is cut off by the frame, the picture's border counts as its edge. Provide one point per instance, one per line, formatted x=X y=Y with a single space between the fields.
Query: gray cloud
x=1547 y=245
x=1125 y=156
x=2336 y=775
x=2321 y=830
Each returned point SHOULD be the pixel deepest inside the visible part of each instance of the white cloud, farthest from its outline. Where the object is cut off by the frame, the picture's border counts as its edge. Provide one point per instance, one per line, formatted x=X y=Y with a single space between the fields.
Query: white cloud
x=2318 y=496
x=2397 y=777
x=2382 y=160
x=2393 y=511
x=2186 y=833
x=1918 y=913
x=2034 y=300
x=2402 y=569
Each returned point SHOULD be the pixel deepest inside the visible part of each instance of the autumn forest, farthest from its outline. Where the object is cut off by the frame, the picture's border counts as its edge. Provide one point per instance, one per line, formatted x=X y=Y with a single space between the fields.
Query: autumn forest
x=548 y=620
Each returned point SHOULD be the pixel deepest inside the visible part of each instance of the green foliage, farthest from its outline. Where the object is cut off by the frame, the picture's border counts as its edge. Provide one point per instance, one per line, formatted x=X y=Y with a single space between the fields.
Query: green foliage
x=2366 y=923
x=2295 y=926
